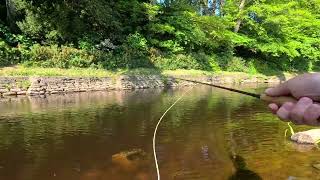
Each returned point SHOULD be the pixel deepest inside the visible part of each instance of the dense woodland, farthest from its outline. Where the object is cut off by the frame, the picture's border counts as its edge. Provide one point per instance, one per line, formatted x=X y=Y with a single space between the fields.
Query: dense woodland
x=213 y=35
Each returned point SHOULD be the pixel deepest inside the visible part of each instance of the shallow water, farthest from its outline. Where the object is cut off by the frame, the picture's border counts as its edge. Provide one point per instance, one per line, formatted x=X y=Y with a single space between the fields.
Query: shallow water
x=210 y=134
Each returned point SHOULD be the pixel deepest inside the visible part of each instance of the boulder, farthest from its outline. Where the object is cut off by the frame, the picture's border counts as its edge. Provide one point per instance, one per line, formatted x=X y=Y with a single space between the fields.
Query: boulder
x=306 y=137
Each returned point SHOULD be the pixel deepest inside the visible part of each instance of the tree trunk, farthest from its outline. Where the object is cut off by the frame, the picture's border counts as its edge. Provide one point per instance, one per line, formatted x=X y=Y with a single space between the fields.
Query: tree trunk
x=222 y=3
x=239 y=20
x=11 y=15
x=204 y=6
x=212 y=9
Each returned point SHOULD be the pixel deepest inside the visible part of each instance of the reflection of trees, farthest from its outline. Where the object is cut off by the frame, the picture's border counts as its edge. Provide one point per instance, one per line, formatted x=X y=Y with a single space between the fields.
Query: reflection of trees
x=80 y=132
x=69 y=129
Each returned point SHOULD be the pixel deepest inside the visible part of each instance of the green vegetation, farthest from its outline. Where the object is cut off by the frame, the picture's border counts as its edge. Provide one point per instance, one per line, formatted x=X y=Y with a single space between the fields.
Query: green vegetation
x=24 y=84
x=72 y=72
x=251 y=36
x=290 y=129
x=92 y=72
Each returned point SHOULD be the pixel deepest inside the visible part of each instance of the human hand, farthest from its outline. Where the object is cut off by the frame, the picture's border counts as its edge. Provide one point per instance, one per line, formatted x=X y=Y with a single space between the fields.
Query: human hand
x=305 y=88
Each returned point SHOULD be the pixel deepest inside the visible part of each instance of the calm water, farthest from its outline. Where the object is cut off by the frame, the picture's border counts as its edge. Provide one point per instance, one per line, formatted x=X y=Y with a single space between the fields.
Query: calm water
x=210 y=134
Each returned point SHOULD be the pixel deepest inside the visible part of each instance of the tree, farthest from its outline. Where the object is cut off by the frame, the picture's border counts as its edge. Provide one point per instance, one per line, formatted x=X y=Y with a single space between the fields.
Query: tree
x=239 y=20
x=11 y=15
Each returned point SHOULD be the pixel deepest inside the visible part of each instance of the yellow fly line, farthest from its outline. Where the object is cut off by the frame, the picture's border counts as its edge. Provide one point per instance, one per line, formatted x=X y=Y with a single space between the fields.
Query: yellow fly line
x=156 y=129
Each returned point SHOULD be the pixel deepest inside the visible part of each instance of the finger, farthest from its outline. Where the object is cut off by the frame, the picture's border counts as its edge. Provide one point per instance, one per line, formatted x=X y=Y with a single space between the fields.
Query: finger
x=311 y=115
x=284 y=111
x=280 y=90
x=297 y=113
x=274 y=108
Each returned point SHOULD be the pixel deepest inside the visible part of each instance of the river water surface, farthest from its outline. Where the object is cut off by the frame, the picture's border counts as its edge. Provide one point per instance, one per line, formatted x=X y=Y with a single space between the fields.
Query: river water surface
x=210 y=134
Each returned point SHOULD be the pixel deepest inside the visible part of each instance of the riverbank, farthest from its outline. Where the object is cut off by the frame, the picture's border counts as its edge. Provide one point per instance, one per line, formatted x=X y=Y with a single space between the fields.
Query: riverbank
x=40 y=81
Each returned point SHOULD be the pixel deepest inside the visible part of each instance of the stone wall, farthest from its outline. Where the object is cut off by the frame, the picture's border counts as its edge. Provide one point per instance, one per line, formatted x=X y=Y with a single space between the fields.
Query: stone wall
x=14 y=86
x=56 y=85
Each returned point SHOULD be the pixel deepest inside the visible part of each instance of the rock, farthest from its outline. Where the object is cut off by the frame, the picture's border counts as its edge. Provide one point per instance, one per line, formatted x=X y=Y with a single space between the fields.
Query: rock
x=130 y=161
x=9 y=94
x=4 y=90
x=306 y=137
x=33 y=93
x=317 y=166
x=22 y=93
x=15 y=90
x=297 y=178
x=54 y=92
x=303 y=147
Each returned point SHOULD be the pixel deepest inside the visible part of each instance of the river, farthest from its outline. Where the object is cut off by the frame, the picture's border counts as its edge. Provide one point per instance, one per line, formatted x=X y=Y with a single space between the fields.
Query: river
x=209 y=134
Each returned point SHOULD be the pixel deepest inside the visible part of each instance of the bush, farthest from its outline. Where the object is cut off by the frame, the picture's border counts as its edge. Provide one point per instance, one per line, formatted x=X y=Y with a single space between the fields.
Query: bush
x=265 y=67
x=214 y=64
x=61 y=57
x=134 y=53
x=179 y=61
x=8 y=55
x=196 y=61
x=236 y=64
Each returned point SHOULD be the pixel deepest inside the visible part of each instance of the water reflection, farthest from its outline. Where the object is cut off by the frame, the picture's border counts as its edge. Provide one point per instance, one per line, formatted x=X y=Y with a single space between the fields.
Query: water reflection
x=74 y=136
x=242 y=171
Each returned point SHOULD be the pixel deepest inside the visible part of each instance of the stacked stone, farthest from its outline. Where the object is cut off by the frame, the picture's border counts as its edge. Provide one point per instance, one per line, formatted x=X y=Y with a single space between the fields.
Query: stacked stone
x=57 y=85
x=140 y=82
x=10 y=86
x=38 y=87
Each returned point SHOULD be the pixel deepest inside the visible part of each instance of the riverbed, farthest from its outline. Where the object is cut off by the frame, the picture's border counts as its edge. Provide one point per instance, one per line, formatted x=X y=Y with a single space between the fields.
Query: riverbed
x=209 y=134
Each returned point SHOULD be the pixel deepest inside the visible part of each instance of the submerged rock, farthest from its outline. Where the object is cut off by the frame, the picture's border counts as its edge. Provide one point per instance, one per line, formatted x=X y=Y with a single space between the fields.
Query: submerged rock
x=306 y=137
x=317 y=166
x=130 y=161
x=297 y=178
x=303 y=147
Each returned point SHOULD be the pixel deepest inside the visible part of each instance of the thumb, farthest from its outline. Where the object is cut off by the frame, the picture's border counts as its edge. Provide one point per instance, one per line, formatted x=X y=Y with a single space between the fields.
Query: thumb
x=280 y=90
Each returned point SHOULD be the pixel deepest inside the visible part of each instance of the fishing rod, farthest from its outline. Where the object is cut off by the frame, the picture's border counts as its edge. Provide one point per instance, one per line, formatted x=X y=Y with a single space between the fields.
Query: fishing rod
x=280 y=100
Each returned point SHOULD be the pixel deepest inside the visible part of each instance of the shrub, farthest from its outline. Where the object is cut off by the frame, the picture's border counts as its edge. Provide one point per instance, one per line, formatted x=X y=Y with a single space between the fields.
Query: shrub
x=61 y=57
x=236 y=64
x=265 y=67
x=251 y=68
x=214 y=64
x=179 y=61
x=8 y=55
x=196 y=61
x=134 y=52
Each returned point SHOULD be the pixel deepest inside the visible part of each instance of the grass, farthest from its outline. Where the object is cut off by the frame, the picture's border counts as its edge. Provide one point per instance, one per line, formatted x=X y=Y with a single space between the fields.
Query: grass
x=90 y=72
x=47 y=72
x=182 y=72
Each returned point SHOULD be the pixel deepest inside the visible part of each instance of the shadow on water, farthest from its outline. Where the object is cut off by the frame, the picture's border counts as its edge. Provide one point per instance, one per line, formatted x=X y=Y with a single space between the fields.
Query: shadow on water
x=242 y=172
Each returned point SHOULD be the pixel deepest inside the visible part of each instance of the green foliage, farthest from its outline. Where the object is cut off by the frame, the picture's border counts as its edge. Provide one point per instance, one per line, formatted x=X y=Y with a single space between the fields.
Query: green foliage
x=179 y=61
x=134 y=52
x=72 y=72
x=236 y=64
x=8 y=55
x=174 y=30
x=196 y=61
x=24 y=84
x=66 y=21
x=61 y=57
x=286 y=30
x=13 y=39
x=181 y=34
